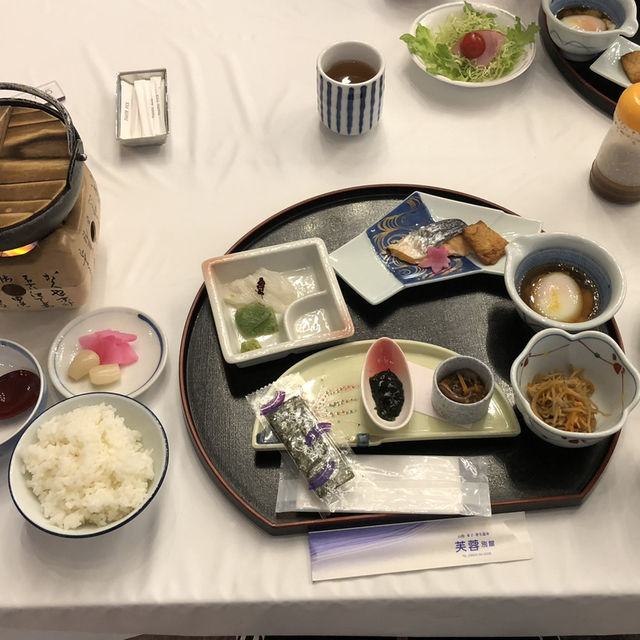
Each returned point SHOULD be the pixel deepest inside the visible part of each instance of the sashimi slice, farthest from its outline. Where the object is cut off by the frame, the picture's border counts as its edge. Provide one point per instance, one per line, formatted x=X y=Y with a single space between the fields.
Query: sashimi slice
x=111 y=346
x=493 y=41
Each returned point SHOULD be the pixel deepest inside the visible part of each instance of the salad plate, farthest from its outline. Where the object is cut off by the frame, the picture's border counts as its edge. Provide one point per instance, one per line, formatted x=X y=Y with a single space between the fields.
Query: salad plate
x=474 y=316
x=433 y=19
x=608 y=64
x=334 y=395
x=150 y=346
x=366 y=266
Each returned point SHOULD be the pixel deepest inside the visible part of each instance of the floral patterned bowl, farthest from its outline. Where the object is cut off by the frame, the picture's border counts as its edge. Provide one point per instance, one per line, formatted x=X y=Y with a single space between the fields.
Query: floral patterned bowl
x=616 y=381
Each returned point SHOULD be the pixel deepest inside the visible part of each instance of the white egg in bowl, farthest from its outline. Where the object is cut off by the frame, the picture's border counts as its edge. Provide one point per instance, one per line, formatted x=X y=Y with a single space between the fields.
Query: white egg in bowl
x=563 y=281
x=386 y=386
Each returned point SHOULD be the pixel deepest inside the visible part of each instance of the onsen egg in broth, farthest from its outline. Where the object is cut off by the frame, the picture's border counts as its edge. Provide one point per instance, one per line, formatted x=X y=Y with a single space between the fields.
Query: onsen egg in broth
x=585 y=19
x=560 y=292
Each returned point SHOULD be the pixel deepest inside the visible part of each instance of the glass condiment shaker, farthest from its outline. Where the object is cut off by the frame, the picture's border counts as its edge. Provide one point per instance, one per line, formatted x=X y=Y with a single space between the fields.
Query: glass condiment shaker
x=615 y=173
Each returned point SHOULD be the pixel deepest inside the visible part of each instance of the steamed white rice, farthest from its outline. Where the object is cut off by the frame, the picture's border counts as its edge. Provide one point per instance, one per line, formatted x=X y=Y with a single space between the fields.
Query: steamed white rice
x=88 y=467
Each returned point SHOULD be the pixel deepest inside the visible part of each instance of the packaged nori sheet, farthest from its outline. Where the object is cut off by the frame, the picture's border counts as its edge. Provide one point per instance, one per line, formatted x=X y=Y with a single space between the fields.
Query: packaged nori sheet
x=309 y=444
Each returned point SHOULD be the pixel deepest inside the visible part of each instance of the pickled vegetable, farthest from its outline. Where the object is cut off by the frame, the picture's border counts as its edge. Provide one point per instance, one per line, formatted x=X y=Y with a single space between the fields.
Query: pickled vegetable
x=388 y=394
x=19 y=390
x=104 y=374
x=464 y=386
x=82 y=363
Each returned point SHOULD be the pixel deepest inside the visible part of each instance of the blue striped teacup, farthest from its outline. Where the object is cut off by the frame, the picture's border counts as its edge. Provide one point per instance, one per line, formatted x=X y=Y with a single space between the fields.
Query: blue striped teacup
x=350 y=104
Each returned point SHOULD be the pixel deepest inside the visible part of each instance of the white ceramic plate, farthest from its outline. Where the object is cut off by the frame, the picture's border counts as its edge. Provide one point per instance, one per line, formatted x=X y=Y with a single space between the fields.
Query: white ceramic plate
x=608 y=64
x=366 y=266
x=318 y=316
x=434 y=18
x=150 y=345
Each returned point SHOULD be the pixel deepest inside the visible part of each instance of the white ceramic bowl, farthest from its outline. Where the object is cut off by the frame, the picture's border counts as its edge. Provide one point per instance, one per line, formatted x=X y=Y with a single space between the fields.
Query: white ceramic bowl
x=136 y=416
x=525 y=252
x=434 y=18
x=318 y=316
x=584 y=45
x=14 y=356
x=457 y=412
x=617 y=382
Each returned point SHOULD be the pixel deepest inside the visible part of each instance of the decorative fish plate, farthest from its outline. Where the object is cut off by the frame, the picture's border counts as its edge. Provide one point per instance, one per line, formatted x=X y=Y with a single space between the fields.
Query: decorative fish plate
x=365 y=264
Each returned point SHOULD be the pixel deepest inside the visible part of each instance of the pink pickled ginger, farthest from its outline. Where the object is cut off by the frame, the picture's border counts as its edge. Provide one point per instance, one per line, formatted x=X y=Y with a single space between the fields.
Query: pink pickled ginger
x=111 y=346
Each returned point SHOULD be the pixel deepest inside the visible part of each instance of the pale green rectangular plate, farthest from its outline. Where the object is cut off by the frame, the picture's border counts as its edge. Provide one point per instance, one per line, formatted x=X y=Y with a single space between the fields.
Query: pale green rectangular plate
x=336 y=398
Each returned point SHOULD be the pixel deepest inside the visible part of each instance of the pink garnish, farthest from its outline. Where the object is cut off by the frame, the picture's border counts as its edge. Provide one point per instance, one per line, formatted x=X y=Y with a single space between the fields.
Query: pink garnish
x=437 y=258
x=111 y=346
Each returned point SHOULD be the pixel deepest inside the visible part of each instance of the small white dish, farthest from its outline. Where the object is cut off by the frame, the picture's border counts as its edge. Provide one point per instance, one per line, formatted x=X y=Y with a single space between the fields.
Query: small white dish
x=434 y=18
x=14 y=356
x=369 y=269
x=608 y=65
x=150 y=345
x=319 y=315
x=386 y=355
x=136 y=416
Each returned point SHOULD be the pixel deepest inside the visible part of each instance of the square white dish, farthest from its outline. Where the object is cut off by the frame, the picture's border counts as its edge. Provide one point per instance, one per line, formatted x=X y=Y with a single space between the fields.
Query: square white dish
x=369 y=269
x=608 y=64
x=319 y=314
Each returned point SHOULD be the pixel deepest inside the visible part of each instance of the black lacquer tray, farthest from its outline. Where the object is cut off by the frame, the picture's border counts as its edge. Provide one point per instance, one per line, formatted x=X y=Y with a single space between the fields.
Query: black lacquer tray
x=470 y=315
x=599 y=91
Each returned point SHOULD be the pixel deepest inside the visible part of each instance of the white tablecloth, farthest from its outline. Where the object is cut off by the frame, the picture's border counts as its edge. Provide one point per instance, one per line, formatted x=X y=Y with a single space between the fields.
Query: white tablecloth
x=245 y=143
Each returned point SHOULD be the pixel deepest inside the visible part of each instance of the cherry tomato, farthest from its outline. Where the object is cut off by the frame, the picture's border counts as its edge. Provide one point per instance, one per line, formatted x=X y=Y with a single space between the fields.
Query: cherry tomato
x=472 y=45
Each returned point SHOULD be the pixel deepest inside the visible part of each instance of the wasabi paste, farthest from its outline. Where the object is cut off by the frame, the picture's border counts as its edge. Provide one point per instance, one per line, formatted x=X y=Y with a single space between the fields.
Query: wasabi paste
x=249 y=345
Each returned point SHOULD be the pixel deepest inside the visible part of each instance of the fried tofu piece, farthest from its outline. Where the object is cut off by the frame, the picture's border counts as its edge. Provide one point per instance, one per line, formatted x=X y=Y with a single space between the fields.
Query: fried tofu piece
x=485 y=242
x=631 y=65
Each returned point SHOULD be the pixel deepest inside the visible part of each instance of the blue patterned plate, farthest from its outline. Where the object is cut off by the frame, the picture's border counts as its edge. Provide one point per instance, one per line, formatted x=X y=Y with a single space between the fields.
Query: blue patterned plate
x=376 y=275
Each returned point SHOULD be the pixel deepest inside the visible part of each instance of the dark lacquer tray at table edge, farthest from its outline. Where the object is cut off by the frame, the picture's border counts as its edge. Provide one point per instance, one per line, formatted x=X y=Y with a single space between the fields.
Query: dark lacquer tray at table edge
x=599 y=91
x=306 y=521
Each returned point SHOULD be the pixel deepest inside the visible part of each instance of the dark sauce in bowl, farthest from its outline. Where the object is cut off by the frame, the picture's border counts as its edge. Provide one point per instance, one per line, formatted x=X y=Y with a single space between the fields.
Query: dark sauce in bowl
x=19 y=390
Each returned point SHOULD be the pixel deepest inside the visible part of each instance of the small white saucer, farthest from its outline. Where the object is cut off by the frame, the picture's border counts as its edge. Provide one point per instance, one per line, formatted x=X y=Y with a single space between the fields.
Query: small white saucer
x=150 y=345
x=608 y=64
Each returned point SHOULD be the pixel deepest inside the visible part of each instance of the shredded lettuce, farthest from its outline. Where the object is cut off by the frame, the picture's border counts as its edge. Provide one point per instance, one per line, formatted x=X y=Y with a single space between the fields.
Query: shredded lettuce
x=435 y=49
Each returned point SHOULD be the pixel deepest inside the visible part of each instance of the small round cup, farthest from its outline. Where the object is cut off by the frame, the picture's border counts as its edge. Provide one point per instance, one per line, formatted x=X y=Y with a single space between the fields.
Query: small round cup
x=458 y=412
x=350 y=109
x=583 y=45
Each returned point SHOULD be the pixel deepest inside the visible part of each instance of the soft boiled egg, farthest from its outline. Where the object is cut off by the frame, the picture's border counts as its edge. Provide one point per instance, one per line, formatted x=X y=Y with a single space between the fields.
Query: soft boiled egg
x=585 y=23
x=557 y=296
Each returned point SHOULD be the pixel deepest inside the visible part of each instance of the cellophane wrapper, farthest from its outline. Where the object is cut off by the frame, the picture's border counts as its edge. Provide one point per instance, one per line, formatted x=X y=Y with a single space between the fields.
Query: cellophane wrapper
x=434 y=485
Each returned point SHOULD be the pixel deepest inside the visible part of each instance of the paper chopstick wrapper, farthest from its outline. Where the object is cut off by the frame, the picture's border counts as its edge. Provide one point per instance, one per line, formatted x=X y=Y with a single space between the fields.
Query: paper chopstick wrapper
x=394 y=548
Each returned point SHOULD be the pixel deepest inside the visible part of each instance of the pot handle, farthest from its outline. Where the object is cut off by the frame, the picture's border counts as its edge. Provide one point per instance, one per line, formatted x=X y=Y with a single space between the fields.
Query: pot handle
x=73 y=139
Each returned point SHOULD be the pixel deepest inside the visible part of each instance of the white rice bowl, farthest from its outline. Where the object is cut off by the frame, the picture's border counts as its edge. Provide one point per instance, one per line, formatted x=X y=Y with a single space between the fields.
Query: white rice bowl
x=88 y=464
